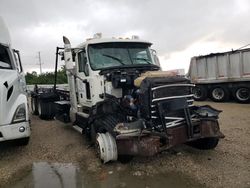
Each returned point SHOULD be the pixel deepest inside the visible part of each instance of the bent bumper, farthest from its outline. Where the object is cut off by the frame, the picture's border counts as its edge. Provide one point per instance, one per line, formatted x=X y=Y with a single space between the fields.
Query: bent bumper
x=148 y=144
x=12 y=131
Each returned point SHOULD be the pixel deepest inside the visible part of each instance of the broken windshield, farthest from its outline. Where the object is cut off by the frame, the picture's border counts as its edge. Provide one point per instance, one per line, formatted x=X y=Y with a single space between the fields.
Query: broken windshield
x=105 y=55
x=5 y=62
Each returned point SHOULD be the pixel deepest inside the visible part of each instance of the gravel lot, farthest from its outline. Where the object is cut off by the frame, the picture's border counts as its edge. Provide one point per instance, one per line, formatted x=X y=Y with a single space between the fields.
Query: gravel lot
x=226 y=166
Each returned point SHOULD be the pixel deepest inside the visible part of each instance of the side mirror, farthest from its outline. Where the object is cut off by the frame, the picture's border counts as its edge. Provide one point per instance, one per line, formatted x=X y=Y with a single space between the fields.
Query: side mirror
x=155 y=57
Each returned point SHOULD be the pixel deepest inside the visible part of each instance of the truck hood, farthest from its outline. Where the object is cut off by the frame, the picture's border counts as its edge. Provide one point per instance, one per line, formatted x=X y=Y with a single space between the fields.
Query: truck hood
x=8 y=80
x=7 y=76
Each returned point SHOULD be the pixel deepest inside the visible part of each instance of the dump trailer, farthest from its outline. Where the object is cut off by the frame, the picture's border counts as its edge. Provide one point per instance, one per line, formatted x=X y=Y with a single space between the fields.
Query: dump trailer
x=221 y=76
x=14 y=118
x=122 y=101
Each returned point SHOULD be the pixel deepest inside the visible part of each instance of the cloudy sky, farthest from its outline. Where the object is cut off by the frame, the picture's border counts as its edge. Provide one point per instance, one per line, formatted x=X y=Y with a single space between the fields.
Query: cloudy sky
x=179 y=29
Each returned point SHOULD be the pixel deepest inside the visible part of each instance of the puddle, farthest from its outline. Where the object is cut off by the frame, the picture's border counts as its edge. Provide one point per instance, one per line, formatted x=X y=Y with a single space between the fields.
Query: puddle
x=69 y=176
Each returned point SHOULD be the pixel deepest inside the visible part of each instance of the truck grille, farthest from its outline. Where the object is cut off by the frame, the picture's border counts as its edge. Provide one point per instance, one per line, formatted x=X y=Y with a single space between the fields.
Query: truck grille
x=168 y=103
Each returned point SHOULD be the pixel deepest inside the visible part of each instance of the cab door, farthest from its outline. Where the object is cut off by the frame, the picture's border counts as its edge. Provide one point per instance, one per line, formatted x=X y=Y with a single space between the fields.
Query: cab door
x=83 y=79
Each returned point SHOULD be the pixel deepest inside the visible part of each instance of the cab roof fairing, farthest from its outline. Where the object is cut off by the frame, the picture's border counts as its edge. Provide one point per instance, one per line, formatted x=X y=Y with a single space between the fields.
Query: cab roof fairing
x=99 y=41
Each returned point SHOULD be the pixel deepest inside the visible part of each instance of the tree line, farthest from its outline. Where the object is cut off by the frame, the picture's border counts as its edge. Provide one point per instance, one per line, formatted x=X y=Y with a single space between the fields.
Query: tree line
x=46 y=78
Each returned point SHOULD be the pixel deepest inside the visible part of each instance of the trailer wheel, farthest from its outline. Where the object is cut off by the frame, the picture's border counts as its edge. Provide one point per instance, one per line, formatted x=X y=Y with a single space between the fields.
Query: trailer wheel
x=205 y=143
x=106 y=147
x=41 y=110
x=242 y=94
x=34 y=107
x=200 y=93
x=219 y=94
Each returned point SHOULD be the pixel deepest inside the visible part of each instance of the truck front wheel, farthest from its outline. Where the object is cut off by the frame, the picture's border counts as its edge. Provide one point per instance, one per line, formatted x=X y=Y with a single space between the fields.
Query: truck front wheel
x=205 y=143
x=219 y=94
x=242 y=94
x=106 y=147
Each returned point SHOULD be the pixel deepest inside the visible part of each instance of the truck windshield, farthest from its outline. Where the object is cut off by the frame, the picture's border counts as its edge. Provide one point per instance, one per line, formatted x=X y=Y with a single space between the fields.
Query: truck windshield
x=104 y=55
x=5 y=62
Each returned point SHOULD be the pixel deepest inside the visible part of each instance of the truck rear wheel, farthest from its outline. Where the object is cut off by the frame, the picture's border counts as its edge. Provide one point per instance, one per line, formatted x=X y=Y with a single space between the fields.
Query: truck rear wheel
x=219 y=94
x=200 y=93
x=205 y=143
x=242 y=94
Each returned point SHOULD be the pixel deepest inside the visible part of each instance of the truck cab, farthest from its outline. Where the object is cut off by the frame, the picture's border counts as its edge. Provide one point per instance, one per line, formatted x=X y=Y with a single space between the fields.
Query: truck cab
x=97 y=59
x=14 y=118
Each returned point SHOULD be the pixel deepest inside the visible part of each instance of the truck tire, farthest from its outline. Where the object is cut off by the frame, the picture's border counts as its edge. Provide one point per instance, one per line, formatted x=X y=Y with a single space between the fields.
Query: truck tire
x=219 y=94
x=45 y=110
x=34 y=106
x=40 y=110
x=205 y=143
x=242 y=95
x=200 y=93
x=22 y=141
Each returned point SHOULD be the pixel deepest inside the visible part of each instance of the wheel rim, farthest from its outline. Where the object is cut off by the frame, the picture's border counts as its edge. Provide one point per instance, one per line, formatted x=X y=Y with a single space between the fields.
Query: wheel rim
x=197 y=93
x=218 y=93
x=106 y=147
x=243 y=94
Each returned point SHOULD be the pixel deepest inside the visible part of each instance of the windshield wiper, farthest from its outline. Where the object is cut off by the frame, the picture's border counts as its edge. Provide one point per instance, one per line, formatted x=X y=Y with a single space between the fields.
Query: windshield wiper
x=144 y=59
x=115 y=58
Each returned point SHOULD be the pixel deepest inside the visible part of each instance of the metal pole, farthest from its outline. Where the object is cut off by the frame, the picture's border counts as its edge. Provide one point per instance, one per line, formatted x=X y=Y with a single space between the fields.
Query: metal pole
x=56 y=64
x=40 y=62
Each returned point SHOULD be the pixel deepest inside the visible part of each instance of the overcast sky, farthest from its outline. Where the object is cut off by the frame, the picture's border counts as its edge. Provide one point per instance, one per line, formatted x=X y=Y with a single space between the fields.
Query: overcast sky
x=179 y=29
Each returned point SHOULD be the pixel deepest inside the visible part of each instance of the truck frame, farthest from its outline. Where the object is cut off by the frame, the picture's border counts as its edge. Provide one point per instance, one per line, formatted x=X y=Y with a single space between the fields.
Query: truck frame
x=122 y=101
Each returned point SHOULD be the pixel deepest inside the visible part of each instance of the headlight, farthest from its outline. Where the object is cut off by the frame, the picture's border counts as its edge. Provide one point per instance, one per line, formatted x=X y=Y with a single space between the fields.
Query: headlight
x=20 y=114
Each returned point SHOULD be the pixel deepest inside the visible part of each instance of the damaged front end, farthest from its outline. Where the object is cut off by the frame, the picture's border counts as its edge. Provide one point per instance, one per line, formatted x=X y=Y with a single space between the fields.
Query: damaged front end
x=167 y=117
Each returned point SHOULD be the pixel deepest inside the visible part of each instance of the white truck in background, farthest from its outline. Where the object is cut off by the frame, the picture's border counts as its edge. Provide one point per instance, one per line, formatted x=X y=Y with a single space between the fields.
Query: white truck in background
x=14 y=119
x=221 y=76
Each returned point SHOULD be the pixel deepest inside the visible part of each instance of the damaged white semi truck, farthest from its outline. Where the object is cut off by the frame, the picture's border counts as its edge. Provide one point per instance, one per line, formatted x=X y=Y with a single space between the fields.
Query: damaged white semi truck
x=119 y=97
x=14 y=119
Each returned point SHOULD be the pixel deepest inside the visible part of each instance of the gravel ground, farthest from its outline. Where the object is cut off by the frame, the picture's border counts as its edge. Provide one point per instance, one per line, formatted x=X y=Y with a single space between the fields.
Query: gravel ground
x=226 y=166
